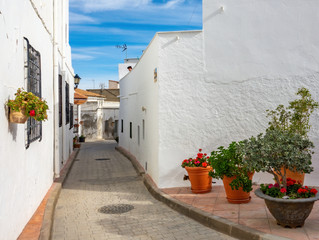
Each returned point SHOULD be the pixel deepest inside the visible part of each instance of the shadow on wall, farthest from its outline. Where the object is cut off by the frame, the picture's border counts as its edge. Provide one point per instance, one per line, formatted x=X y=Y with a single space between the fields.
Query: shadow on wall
x=12 y=127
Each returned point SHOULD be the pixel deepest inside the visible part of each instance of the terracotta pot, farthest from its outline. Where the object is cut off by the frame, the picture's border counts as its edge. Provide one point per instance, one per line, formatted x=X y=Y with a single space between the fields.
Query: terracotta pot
x=294 y=175
x=18 y=117
x=236 y=196
x=76 y=145
x=288 y=212
x=201 y=182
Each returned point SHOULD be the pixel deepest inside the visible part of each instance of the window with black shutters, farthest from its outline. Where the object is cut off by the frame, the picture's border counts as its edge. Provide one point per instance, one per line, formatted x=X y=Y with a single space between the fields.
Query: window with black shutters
x=67 y=103
x=60 y=101
x=71 y=116
x=33 y=76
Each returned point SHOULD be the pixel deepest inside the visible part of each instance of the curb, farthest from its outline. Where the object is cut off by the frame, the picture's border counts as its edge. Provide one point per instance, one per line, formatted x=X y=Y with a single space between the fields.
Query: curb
x=209 y=220
x=47 y=223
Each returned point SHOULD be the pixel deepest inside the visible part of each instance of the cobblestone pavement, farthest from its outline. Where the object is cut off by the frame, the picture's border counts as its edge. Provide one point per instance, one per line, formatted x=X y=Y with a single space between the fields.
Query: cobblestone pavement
x=111 y=179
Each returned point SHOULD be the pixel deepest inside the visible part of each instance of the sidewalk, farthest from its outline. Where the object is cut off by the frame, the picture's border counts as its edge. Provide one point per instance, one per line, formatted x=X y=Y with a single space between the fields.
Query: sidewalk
x=253 y=214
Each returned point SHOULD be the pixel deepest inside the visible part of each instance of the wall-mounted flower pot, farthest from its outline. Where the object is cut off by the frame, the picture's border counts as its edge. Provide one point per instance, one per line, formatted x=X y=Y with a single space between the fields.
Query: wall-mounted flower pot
x=81 y=139
x=201 y=182
x=288 y=212
x=18 y=117
x=236 y=196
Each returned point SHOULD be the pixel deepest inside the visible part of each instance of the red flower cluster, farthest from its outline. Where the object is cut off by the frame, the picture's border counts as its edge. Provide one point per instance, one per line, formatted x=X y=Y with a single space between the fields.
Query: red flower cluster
x=32 y=113
x=199 y=161
x=294 y=190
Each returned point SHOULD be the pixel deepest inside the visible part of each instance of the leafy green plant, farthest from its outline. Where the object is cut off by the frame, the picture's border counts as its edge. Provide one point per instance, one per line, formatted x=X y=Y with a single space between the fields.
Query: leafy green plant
x=34 y=106
x=294 y=118
x=278 y=149
x=229 y=162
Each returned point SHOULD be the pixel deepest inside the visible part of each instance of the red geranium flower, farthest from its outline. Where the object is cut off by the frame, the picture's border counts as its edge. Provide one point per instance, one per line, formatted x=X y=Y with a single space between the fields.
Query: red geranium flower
x=204 y=164
x=32 y=113
x=283 y=190
x=313 y=191
x=200 y=150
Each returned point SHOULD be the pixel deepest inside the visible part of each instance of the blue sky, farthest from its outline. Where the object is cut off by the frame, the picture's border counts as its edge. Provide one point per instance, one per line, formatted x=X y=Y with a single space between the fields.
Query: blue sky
x=97 y=26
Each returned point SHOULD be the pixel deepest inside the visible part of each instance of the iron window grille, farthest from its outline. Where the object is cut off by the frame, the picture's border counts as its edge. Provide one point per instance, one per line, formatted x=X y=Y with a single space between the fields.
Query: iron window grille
x=67 y=103
x=60 y=101
x=33 y=71
x=71 y=116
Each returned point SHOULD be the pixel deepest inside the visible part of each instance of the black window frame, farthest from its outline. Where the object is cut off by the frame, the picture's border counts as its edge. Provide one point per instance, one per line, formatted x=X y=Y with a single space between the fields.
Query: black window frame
x=71 y=116
x=33 y=71
x=60 y=101
x=122 y=125
x=131 y=135
x=67 y=103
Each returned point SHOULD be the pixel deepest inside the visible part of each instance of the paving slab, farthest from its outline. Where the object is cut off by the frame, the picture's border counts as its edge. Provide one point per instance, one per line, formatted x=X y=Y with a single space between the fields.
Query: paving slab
x=103 y=177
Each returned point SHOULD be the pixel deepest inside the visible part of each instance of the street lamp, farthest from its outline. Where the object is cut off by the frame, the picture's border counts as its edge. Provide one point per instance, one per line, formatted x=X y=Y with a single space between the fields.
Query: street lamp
x=76 y=80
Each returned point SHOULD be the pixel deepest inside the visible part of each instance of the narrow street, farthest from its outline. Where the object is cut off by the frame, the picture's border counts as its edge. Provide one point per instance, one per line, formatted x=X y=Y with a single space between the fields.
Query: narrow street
x=101 y=176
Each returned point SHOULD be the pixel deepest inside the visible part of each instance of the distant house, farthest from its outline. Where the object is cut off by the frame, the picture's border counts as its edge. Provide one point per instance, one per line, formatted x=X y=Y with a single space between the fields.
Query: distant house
x=99 y=114
x=35 y=55
x=204 y=89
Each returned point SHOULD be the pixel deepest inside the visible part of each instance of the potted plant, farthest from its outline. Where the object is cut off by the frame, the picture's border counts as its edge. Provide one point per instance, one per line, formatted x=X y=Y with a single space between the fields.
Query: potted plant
x=294 y=118
x=198 y=169
x=82 y=138
x=272 y=151
x=26 y=105
x=228 y=165
x=75 y=142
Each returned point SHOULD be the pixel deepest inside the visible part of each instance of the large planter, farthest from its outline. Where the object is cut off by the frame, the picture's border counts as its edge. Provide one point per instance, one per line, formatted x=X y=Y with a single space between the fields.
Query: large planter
x=18 y=117
x=201 y=182
x=236 y=196
x=81 y=139
x=288 y=212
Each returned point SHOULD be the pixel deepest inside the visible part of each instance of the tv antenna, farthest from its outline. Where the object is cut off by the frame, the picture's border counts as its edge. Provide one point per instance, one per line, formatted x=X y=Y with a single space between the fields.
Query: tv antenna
x=124 y=48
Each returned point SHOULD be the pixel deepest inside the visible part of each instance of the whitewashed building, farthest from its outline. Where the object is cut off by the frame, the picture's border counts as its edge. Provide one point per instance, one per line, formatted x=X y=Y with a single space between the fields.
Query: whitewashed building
x=204 y=89
x=33 y=34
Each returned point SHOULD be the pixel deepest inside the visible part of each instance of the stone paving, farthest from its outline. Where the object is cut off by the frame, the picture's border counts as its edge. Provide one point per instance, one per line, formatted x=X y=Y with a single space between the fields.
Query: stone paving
x=112 y=179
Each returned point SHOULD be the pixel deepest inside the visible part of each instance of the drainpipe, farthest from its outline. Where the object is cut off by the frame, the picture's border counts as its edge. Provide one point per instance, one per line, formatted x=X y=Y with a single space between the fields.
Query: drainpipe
x=56 y=157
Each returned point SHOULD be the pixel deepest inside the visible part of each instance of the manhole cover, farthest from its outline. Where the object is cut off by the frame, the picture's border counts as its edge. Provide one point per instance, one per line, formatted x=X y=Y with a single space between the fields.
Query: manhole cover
x=102 y=159
x=116 y=209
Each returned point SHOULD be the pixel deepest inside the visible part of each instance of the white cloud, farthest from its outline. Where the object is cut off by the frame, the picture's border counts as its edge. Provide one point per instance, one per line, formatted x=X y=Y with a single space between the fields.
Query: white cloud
x=103 y=5
x=107 y=5
x=76 y=18
x=78 y=56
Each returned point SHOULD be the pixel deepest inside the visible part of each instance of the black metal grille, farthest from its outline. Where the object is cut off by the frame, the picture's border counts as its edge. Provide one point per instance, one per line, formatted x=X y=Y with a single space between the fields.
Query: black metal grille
x=71 y=116
x=33 y=66
x=60 y=101
x=67 y=103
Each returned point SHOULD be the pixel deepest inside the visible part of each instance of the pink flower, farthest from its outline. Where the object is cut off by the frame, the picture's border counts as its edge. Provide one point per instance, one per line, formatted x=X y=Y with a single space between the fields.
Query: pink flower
x=270 y=186
x=283 y=190
x=276 y=185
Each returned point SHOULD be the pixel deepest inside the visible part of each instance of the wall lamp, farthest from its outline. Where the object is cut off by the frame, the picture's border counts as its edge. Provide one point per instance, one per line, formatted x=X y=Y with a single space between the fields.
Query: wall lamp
x=76 y=81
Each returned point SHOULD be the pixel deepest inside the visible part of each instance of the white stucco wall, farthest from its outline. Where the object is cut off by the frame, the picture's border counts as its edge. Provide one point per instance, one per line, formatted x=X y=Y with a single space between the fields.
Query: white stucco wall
x=183 y=116
x=256 y=57
x=25 y=174
x=122 y=67
x=138 y=90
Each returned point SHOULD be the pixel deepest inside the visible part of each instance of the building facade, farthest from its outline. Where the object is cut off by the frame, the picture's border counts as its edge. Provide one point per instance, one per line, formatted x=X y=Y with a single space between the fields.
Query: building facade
x=34 y=35
x=194 y=90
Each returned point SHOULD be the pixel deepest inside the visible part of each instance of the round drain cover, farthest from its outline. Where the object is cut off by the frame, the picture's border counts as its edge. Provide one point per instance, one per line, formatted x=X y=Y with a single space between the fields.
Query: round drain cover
x=116 y=208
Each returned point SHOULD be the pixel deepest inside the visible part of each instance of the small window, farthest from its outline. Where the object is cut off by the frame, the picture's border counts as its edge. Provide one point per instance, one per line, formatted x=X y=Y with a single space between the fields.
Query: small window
x=67 y=103
x=33 y=70
x=130 y=129
x=60 y=101
x=143 y=129
x=121 y=125
x=71 y=116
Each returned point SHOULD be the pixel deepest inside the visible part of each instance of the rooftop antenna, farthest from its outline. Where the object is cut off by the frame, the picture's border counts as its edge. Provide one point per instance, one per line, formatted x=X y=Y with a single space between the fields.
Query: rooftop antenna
x=124 y=48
